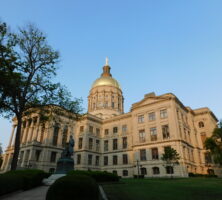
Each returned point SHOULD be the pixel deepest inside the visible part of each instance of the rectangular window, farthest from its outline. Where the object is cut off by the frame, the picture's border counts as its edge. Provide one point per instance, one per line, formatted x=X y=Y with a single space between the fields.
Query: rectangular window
x=113 y=104
x=124 y=142
x=115 y=129
x=163 y=114
x=80 y=143
x=165 y=132
x=91 y=129
x=89 y=159
x=105 y=160
x=97 y=161
x=27 y=155
x=142 y=154
x=152 y=116
x=115 y=144
x=115 y=160
x=78 y=159
x=97 y=132
x=140 y=118
x=125 y=159
x=97 y=145
x=142 y=135
x=90 y=143
x=153 y=133
x=124 y=128
x=53 y=156
x=155 y=154
x=81 y=129
x=37 y=154
x=106 y=132
x=106 y=145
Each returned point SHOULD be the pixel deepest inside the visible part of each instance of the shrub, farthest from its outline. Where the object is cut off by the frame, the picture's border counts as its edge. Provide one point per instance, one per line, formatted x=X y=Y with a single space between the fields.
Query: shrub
x=30 y=177
x=97 y=175
x=74 y=186
x=202 y=175
x=138 y=176
x=10 y=183
x=191 y=174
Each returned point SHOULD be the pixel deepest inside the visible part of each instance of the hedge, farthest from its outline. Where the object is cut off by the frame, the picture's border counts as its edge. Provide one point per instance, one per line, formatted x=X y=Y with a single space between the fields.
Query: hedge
x=74 y=186
x=21 y=180
x=202 y=175
x=99 y=176
x=10 y=183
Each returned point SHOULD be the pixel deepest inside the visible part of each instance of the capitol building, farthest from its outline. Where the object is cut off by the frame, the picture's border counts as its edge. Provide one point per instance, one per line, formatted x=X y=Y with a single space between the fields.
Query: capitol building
x=107 y=139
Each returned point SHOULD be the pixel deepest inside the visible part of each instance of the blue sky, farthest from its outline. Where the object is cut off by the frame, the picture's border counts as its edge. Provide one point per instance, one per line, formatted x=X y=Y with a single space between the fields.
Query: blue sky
x=153 y=45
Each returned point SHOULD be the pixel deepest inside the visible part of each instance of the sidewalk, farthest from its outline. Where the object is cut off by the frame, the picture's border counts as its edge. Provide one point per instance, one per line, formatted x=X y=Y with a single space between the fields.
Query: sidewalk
x=38 y=193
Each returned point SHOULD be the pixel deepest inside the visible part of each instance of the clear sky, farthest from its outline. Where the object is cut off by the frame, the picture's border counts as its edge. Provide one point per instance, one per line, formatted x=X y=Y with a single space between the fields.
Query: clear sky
x=153 y=45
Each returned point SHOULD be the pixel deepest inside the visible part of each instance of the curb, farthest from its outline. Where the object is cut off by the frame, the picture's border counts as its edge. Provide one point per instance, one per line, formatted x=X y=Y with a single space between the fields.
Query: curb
x=103 y=194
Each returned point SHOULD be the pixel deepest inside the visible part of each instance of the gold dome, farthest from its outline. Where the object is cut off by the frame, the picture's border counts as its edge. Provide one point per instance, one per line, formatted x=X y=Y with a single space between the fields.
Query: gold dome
x=106 y=80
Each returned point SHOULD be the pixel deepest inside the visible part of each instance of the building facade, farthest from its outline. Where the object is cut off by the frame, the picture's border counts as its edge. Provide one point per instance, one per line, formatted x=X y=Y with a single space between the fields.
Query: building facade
x=108 y=139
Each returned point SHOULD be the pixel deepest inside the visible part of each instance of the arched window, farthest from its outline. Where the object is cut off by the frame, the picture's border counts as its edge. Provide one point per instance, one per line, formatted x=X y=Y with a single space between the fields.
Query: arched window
x=156 y=170
x=143 y=171
x=201 y=124
x=169 y=170
x=125 y=172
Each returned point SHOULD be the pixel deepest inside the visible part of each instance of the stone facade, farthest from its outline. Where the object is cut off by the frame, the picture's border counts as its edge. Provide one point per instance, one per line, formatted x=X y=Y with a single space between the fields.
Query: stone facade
x=108 y=139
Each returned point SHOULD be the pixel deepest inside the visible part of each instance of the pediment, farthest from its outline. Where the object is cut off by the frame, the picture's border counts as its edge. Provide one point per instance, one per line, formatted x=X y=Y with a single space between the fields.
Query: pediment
x=150 y=99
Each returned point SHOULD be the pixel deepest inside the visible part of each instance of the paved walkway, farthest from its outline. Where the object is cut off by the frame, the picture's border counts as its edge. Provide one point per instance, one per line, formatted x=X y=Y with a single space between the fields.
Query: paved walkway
x=38 y=193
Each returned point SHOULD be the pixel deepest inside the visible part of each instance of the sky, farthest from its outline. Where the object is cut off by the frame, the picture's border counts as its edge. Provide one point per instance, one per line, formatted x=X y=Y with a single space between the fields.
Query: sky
x=153 y=46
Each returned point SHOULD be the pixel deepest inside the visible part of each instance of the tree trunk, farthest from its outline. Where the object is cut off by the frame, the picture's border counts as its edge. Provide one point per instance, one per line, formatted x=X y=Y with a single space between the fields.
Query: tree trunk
x=17 y=143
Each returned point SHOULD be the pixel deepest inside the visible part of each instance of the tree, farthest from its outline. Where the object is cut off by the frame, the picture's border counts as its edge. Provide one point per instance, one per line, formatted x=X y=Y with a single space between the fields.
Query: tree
x=214 y=144
x=171 y=157
x=27 y=66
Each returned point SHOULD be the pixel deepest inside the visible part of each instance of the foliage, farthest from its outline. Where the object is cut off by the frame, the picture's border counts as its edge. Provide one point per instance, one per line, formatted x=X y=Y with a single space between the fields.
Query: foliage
x=20 y=179
x=10 y=183
x=30 y=177
x=74 y=186
x=27 y=66
x=97 y=175
x=170 y=156
x=214 y=144
x=202 y=175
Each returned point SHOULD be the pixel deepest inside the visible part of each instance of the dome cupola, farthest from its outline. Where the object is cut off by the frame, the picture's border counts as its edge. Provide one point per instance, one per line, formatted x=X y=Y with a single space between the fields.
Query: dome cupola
x=105 y=99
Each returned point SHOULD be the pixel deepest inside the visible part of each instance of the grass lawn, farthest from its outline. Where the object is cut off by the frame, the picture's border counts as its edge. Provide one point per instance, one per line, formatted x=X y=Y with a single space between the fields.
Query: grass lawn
x=165 y=189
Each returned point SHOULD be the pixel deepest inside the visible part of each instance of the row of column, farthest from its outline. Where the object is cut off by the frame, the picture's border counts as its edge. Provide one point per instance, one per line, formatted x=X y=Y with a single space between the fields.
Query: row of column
x=32 y=130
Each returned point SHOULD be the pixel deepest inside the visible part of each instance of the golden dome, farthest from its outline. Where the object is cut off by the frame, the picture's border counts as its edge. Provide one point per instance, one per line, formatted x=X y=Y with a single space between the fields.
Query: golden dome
x=106 y=80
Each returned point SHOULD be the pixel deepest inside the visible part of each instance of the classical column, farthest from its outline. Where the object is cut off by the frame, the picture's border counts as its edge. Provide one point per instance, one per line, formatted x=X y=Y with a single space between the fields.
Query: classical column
x=27 y=131
x=36 y=130
x=12 y=135
x=30 y=132
x=3 y=163
x=60 y=133
x=24 y=132
x=40 y=130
